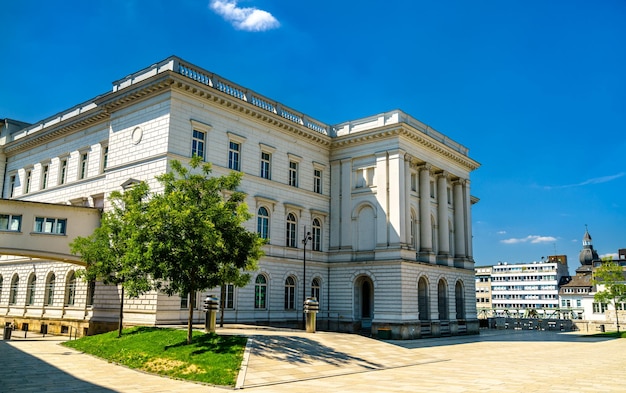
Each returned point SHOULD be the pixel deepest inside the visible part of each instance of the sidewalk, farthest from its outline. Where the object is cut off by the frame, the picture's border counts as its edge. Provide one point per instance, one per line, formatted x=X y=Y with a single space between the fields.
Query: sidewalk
x=280 y=360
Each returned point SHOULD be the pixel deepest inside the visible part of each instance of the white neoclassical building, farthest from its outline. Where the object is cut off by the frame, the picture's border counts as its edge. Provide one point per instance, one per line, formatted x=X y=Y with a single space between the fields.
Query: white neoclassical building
x=386 y=200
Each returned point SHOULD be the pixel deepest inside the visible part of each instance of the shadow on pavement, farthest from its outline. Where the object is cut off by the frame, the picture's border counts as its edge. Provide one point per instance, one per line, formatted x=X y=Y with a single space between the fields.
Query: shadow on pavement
x=301 y=350
x=21 y=372
x=494 y=335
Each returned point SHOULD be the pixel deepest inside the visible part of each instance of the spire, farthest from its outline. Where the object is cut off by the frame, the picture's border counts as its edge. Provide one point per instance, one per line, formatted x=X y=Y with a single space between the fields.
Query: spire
x=587 y=254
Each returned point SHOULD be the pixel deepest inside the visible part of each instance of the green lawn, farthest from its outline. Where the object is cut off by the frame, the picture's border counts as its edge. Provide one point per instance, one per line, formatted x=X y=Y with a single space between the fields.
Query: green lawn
x=611 y=334
x=209 y=358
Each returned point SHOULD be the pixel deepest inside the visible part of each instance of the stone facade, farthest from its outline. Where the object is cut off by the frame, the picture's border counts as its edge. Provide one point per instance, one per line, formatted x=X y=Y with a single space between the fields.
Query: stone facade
x=386 y=199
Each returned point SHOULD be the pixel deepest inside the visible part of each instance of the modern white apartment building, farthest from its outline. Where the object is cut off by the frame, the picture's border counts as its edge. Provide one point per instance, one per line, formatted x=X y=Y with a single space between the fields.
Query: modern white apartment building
x=483 y=291
x=386 y=199
x=518 y=288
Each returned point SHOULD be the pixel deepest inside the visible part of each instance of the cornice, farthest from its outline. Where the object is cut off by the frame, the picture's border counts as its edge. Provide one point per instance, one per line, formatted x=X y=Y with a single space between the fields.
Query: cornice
x=405 y=130
x=240 y=107
x=59 y=130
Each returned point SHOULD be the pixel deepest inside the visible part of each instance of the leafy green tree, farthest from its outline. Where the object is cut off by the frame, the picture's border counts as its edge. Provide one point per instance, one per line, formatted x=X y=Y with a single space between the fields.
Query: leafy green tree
x=197 y=236
x=115 y=252
x=610 y=275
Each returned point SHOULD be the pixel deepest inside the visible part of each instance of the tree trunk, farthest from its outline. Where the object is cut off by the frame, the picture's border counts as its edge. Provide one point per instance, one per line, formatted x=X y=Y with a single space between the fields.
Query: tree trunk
x=190 y=316
x=222 y=305
x=119 y=327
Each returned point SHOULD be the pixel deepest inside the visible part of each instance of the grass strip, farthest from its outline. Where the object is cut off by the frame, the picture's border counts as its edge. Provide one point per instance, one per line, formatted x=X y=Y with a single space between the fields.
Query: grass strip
x=210 y=358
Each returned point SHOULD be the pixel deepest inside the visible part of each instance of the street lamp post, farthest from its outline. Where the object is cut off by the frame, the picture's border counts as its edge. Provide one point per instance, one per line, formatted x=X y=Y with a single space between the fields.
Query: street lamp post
x=305 y=240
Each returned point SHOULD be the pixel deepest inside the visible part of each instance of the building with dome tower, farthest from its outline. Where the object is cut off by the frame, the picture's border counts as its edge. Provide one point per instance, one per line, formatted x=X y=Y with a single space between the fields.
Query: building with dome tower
x=575 y=294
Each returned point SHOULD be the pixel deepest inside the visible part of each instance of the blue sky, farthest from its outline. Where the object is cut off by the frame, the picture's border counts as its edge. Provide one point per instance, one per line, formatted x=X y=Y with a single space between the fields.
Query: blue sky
x=535 y=89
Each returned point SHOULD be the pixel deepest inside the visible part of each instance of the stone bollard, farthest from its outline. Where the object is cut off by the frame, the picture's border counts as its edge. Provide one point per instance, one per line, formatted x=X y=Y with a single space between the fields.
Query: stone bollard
x=211 y=306
x=311 y=307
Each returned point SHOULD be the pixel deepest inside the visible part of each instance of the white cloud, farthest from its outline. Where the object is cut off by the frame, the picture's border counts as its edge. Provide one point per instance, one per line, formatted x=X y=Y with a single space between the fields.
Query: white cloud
x=501 y=232
x=613 y=255
x=248 y=19
x=595 y=180
x=534 y=239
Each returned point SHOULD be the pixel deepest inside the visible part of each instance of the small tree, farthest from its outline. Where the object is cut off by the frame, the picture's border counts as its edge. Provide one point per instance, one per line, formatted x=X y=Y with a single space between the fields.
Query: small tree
x=197 y=238
x=115 y=251
x=610 y=275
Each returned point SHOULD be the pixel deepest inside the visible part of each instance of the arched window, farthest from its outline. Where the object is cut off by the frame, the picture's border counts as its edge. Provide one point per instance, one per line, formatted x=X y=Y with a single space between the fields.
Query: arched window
x=422 y=299
x=291 y=230
x=30 y=290
x=15 y=283
x=290 y=293
x=263 y=223
x=49 y=297
x=260 y=292
x=70 y=290
x=442 y=300
x=316 y=236
x=315 y=289
x=460 y=300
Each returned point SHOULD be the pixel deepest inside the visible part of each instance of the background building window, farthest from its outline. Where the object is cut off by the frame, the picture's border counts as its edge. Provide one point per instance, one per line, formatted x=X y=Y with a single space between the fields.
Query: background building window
x=82 y=168
x=316 y=235
x=45 y=169
x=263 y=223
x=234 y=150
x=105 y=157
x=227 y=296
x=15 y=283
x=197 y=144
x=11 y=185
x=317 y=181
x=49 y=298
x=291 y=230
x=9 y=222
x=315 y=289
x=293 y=173
x=266 y=165
x=70 y=290
x=260 y=292
x=29 y=174
x=30 y=290
x=290 y=293
x=62 y=170
x=50 y=225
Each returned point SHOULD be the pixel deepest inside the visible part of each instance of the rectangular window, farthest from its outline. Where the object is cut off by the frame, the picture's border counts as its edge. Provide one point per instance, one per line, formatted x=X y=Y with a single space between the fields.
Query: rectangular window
x=11 y=185
x=577 y=302
x=266 y=161
x=9 y=222
x=45 y=169
x=56 y=226
x=63 y=170
x=317 y=181
x=234 y=149
x=82 y=169
x=228 y=296
x=432 y=189
x=105 y=158
x=197 y=143
x=184 y=301
x=29 y=174
x=293 y=173
x=413 y=182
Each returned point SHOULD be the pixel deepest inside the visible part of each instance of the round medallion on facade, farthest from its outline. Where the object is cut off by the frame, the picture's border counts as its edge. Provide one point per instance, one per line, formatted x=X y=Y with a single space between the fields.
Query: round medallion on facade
x=137 y=135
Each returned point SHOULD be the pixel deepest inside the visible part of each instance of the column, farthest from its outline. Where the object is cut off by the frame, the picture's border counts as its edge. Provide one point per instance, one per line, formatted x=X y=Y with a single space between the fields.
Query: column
x=335 y=204
x=459 y=219
x=426 y=238
x=406 y=234
x=468 y=222
x=397 y=186
x=346 y=204
x=442 y=213
x=382 y=197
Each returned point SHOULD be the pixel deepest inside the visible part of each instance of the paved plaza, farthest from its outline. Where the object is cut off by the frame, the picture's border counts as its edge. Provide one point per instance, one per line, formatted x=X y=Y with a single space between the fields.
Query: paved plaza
x=278 y=360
